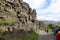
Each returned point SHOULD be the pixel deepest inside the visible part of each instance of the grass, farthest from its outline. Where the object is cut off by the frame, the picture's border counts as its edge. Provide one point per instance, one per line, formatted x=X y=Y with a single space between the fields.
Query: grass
x=23 y=36
x=31 y=36
x=8 y=21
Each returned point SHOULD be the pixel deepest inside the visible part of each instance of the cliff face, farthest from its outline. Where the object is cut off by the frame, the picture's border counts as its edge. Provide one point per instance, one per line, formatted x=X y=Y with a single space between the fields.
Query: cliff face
x=18 y=14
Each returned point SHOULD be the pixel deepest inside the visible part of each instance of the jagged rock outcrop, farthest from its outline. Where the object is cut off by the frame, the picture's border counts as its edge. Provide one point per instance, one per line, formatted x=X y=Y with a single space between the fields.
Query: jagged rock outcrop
x=39 y=24
x=17 y=13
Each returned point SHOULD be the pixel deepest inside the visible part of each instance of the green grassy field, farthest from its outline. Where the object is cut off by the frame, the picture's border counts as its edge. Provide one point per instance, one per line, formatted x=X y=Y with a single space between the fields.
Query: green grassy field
x=28 y=36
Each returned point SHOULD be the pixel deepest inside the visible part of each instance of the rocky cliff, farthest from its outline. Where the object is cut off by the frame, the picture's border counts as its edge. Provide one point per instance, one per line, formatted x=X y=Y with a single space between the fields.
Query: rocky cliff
x=18 y=14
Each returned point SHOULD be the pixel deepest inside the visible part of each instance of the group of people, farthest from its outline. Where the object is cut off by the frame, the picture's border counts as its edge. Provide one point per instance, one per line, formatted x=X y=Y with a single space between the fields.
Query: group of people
x=46 y=30
x=57 y=33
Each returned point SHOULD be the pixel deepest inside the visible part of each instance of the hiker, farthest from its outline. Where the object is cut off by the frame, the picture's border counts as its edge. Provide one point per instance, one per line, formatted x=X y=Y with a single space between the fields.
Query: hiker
x=47 y=31
x=58 y=35
x=55 y=31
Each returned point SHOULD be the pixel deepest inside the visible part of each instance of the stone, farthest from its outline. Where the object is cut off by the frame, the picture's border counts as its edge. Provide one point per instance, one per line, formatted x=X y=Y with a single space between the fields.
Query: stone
x=19 y=11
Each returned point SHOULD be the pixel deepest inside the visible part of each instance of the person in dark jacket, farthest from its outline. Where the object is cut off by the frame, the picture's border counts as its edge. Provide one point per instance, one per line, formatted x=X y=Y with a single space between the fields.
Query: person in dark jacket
x=55 y=31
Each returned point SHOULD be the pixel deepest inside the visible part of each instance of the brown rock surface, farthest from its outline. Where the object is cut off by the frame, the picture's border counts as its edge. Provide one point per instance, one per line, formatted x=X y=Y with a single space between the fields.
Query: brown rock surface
x=19 y=12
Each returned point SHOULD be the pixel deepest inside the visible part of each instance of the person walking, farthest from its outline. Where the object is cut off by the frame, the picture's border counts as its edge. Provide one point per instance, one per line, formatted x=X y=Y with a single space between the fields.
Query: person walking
x=55 y=31
x=58 y=35
x=47 y=30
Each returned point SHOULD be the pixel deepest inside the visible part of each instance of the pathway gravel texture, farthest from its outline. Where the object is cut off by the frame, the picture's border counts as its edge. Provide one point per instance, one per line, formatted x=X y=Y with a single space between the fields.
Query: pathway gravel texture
x=45 y=36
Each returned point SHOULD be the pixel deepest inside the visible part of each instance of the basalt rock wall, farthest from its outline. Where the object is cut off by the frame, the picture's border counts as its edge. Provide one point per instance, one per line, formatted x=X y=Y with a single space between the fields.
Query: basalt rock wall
x=18 y=14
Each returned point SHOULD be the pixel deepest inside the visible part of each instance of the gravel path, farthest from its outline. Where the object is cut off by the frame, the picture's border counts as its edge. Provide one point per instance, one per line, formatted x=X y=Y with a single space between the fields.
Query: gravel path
x=45 y=36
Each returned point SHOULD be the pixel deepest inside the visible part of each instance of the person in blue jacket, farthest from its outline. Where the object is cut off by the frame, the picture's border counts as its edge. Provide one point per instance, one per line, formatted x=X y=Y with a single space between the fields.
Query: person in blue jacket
x=55 y=31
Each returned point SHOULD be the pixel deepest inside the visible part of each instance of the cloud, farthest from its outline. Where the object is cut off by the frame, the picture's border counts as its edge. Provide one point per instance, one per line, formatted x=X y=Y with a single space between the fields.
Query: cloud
x=48 y=18
x=35 y=3
x=46 y=9
x=50 y=13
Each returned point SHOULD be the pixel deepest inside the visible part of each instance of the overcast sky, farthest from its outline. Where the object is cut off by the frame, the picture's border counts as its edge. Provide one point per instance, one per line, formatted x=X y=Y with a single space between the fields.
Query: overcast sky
x=46 y=9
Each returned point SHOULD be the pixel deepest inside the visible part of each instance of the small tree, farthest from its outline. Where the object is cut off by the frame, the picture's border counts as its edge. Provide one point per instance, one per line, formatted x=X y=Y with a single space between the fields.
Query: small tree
x=51 y=26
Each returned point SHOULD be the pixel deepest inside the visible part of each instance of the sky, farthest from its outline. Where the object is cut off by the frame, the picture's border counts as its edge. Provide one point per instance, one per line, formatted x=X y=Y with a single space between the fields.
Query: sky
x=46 y=9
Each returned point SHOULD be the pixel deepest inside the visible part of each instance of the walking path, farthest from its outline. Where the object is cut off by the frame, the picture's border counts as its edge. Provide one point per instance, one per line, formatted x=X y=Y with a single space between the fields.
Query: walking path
x=45 y=36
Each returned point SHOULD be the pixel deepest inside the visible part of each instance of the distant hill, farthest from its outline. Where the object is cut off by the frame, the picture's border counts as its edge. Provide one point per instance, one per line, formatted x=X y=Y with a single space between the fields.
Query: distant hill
x=51 y=22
